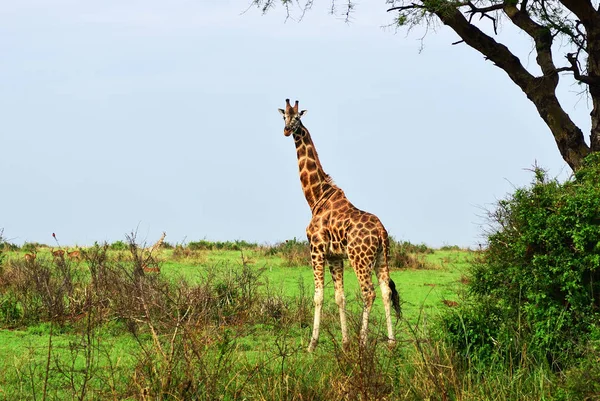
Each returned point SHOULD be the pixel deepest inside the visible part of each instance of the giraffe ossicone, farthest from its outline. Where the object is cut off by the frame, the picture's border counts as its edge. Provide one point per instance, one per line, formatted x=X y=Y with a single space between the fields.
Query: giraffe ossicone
x=338 y=229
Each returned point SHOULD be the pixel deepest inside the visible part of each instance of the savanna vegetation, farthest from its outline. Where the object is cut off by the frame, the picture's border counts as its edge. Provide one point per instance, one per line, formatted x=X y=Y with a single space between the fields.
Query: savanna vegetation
x=515 y=320
x=518 y=319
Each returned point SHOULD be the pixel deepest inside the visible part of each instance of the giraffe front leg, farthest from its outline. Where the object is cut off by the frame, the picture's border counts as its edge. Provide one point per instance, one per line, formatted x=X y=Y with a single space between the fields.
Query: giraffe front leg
x=336 y=267
x=317 y=260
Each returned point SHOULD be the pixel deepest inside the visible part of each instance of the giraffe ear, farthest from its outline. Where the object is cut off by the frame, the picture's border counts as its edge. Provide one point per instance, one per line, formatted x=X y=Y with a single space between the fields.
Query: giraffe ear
x=282 y=112
x=303 y=112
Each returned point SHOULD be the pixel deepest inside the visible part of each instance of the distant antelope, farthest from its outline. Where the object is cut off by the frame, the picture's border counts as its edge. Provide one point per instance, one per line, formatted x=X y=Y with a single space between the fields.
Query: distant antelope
x=151 y=269
x=30 y=257
x=74 y=255
x=58 y=254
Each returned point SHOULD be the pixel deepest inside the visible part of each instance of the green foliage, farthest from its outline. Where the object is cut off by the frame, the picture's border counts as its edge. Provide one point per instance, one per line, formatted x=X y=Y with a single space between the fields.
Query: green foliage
x=8 y=247
x=450 y=248
x=237 y=245
x=409 y=247
x=294 y=252
x=404 y=254
x=32 y=246
x=119 y=246
x=10 y=311
x=537 y=286
x=240 y=331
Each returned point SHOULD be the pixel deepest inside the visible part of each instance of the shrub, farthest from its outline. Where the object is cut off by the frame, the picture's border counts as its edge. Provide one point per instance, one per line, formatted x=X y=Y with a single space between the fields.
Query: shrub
x=450 y=248
x=406 y=255
x=8 y=247
x=206 y=245
x=409 y=247
x=32 y=246
x=294 y=252
x=200 y=245
x=119 y=246
x=192 y=257
x=537 y=285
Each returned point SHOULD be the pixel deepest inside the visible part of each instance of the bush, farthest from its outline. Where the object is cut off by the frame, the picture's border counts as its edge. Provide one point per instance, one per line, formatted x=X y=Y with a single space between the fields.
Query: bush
x=119 y=246
x=294 y=252
x=406 y=255
x=537 y=286
x=450 y=248
x=409 y=247
x=206 y=245
x=30 y=247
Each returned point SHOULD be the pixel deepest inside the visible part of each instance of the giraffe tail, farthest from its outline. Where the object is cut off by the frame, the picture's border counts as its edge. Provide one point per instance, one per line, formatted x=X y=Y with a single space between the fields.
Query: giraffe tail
x=395 y=299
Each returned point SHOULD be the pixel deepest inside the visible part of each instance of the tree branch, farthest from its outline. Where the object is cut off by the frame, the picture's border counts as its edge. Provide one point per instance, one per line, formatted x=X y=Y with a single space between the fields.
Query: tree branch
x=583 y=9
x=586 y=79
x=483 y=11
x=492 y=50
x=541 y=91
x=541 y=35
x=409 y=7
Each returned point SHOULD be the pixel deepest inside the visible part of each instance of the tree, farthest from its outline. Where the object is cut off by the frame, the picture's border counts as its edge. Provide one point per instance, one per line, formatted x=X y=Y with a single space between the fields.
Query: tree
x=545 y=22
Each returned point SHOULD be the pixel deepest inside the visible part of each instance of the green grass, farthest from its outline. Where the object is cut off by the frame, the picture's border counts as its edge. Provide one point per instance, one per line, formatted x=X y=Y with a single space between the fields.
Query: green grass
x=263 y=358
x=419 y=289
x=24 y=359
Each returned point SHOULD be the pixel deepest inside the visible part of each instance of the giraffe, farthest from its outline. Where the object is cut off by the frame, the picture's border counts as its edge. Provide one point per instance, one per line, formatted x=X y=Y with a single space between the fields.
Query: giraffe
x=158 y=243
x=338 y=229
x=149 y=260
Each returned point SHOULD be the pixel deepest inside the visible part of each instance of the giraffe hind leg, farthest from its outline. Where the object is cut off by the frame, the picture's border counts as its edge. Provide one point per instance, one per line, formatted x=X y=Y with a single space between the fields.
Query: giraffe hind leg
x=388 y=294
x=336 y=268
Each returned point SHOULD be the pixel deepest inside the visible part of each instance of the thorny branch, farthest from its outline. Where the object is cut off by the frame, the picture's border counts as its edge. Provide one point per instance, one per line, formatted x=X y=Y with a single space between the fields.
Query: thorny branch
x=572 y=58
x=483 y=11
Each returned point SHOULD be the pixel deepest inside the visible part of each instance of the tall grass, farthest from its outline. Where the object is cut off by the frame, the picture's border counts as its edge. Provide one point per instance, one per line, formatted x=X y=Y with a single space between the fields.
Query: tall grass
x=107 y=329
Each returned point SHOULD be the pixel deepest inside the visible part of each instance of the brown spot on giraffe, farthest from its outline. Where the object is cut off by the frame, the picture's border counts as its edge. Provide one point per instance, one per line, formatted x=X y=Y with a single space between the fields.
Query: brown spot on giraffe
x=339 y=229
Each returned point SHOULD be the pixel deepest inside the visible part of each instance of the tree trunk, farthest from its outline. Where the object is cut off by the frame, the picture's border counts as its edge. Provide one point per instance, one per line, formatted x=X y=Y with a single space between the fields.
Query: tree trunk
x=593 y=72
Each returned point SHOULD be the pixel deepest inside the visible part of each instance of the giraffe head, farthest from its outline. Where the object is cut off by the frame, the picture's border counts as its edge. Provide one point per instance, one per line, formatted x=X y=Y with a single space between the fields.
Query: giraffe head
x=291 y=116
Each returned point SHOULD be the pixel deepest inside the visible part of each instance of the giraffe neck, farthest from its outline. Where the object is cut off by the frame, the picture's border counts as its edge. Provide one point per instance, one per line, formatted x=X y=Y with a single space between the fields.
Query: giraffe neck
x=158 y=243
x=316 y=184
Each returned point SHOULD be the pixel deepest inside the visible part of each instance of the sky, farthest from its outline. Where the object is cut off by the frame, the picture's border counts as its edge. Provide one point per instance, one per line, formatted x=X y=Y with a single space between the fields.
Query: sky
x=149 y=116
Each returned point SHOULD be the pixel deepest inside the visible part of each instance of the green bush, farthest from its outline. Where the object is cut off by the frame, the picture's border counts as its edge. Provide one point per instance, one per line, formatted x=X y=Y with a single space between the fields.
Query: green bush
x=30 y=247
x=537 y=286
x=408 y=247
x=294 y=252
x=206 y=245
x=404 y=254
x=119 y=246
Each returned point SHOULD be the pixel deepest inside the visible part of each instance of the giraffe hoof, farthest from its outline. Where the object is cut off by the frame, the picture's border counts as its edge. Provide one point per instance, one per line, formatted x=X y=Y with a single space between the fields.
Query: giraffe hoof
x=312 y=346
x=391 y=343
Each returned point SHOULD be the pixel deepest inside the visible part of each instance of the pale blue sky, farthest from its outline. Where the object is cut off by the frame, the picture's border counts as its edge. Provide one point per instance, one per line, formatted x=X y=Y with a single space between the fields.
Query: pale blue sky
x=162 y=116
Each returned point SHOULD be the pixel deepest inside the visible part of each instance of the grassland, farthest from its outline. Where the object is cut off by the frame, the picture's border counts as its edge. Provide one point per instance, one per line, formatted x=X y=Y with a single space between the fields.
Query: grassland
x=226 y=324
